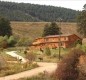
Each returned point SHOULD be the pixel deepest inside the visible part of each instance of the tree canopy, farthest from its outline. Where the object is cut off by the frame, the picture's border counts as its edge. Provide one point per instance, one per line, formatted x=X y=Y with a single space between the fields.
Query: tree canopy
x=81 y=20
x=51 y=29
x=5 y=28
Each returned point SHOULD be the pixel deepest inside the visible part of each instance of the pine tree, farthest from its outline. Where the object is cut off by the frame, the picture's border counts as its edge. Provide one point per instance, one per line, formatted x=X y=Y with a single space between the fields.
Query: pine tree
x=51 y=29
x=5 y=28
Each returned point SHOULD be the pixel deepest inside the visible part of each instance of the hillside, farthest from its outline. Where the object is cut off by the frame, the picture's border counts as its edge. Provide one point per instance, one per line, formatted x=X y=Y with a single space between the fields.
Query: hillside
x=32 y=12
x=34 y=29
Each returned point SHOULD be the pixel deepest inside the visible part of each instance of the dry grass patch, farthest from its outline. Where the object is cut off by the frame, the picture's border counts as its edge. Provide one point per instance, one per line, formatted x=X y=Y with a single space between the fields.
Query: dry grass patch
x=34 y=29
x=13 y=68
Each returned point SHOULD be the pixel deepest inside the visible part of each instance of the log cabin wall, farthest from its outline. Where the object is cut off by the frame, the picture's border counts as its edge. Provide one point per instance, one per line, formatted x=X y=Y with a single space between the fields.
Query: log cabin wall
x=55 y=41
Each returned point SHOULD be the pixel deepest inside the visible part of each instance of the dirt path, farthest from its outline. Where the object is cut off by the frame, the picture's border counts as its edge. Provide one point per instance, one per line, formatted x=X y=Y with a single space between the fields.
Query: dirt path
x=49 y=67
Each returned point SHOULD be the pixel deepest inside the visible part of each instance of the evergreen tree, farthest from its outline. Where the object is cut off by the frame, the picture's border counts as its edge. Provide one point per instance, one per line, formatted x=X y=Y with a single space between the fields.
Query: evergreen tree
x=82 y=23
x=46 y=30
x=51 y=29
x=5 y=28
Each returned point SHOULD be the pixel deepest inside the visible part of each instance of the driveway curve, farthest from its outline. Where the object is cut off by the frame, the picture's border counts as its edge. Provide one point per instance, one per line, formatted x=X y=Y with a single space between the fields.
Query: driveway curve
x=49 y=67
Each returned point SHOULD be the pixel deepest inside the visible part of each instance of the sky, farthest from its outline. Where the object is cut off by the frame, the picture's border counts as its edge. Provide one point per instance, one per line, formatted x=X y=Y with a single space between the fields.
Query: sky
x=72 y=4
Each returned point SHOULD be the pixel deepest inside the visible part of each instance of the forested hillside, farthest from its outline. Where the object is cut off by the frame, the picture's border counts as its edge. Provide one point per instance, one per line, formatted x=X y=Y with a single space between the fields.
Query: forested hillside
x=32 y=12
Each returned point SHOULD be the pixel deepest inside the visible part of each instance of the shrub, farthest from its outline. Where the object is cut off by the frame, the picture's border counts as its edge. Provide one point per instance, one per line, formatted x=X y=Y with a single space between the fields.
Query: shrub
x=78 y=46
x=7 y=41
x=24 y=42
x=67 y=68
x=47 y=51
x=31 y=56
x=3 y=42
x=11 y=41
x=77 y=42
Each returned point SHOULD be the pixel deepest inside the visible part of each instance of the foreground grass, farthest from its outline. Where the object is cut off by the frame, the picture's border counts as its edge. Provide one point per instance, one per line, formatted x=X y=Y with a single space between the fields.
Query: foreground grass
x=13 y=68
x=7 y=57
x=41 y=76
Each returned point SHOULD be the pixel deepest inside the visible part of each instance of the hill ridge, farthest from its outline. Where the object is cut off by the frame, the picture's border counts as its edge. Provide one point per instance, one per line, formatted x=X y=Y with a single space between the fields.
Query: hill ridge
x=34 y=12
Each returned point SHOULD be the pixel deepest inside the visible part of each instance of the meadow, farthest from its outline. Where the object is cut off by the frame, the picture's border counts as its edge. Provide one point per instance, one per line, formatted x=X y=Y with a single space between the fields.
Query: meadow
x=34 y=30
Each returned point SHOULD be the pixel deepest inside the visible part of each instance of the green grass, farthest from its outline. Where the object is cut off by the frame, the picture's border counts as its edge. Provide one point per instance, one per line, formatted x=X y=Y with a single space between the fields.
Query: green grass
x=54 y=55
x=20 y=51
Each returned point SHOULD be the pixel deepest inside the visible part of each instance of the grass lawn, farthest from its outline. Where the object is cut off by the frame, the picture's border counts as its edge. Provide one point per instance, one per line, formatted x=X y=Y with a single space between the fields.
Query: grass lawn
x=54 y=55
x=53 y=58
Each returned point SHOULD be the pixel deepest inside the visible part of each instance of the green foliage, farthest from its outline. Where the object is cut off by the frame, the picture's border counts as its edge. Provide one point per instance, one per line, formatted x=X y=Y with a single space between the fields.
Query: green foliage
x=7 y=42
x=77 y=42
x=24 y=42
x=78 y=46
x=81 y=20
x=11 y=41
x=31 y=12
x=47 y=51
x=81 y=47
x=6 y=37
x=5 y=28
x=51 y=29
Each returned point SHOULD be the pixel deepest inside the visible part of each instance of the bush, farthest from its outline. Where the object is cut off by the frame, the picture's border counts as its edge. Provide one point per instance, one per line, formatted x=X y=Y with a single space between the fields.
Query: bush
x=77 y=42
x=31 y=56
x=7 y=41
x=11 y=41
x=47 y=51
x=24 y=42
x=81 y=47
x=3 y=42
x=67 y=68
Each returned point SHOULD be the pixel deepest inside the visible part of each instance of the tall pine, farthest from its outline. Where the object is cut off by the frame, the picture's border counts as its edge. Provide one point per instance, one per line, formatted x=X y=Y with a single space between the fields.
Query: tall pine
x=51 y=29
